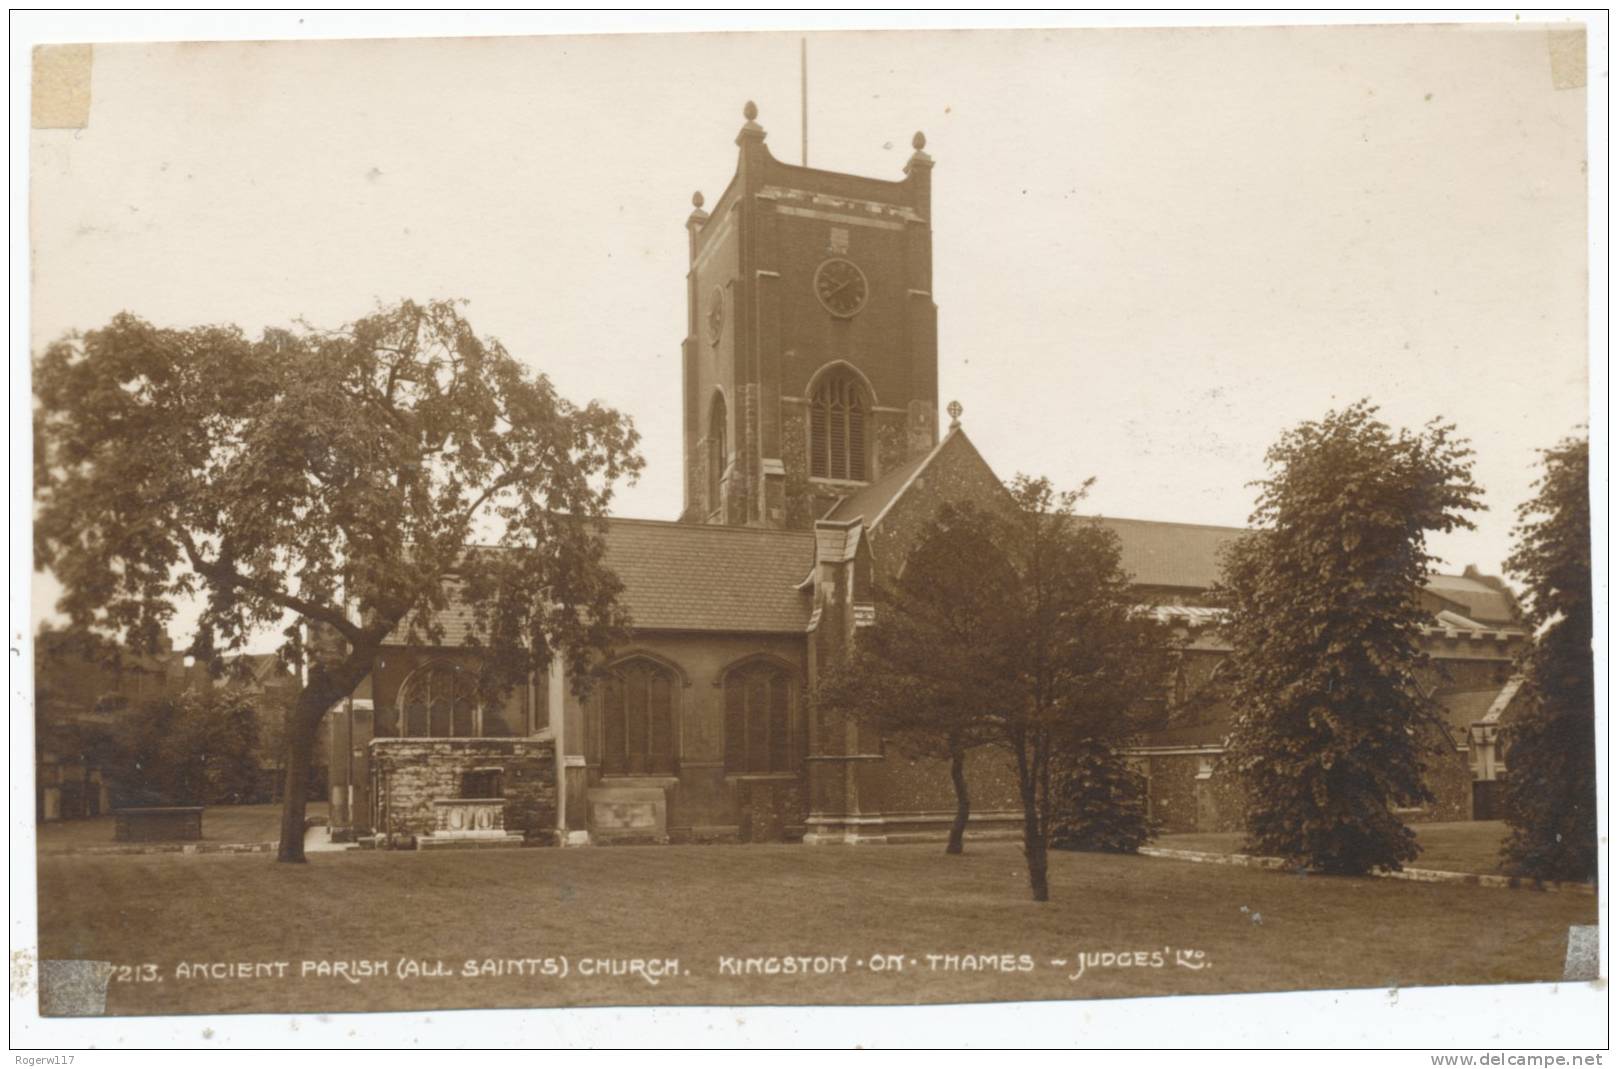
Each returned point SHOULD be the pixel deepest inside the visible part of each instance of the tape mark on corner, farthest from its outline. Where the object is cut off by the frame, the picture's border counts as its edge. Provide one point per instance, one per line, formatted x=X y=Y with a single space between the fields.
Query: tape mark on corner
x=61 y=87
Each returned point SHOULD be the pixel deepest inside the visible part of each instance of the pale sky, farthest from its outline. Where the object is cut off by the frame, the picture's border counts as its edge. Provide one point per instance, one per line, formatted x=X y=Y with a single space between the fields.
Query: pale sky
x=1153 y=249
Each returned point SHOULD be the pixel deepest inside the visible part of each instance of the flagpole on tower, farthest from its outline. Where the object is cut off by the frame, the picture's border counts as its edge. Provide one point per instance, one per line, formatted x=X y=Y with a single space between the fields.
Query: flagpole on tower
x=803 y=92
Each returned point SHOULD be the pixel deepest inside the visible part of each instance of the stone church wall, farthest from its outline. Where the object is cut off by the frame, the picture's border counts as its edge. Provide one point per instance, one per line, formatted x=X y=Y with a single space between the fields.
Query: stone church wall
x=920 y=799
x=703 y=801
x=957 y=474
x=891 y=445
x=1449 y=777
x=802 y=508
x=769 y=810
x=1180 y=802
x=1174 y=791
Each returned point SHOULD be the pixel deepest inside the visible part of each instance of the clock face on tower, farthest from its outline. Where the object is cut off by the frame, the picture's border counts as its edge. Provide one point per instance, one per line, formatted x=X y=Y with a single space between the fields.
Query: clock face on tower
x=841 y=287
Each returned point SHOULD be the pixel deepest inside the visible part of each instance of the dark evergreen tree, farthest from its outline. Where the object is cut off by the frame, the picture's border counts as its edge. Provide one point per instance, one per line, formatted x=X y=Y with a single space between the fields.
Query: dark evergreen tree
x=1550 y=792
x=1101 y=802
x=1326 y=627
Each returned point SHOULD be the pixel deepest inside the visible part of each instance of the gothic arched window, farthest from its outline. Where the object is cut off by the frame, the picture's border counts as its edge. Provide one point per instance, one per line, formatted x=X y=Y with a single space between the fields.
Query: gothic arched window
x=718 y=454
x=758 y=719
x=637 y=718
x=837 y=429
x=440 y=699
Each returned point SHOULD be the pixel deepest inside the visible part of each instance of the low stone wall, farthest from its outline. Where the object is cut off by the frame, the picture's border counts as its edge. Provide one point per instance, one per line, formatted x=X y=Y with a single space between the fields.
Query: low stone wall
x=410 y=775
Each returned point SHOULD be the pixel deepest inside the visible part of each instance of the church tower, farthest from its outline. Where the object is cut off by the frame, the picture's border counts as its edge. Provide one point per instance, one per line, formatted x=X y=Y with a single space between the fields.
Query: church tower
x=811 y=348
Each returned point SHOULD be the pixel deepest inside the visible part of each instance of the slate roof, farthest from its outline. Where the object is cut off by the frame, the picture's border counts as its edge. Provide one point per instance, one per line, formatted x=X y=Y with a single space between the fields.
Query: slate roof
x=695 y=577
x=455 y=619
x=1186 y=555
x=706 y=577
x=1170 y=554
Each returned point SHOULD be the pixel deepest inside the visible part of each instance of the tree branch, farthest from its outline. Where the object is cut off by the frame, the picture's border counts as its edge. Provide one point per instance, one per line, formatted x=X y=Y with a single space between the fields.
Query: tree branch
x=223 y=573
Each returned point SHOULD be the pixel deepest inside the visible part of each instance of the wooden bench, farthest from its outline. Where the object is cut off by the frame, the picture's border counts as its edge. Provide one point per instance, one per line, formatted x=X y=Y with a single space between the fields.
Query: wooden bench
x=157 y=824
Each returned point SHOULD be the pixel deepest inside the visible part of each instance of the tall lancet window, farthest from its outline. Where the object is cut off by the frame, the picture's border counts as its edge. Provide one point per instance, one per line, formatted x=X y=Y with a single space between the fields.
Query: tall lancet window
x=837 y=429
x=718 y=450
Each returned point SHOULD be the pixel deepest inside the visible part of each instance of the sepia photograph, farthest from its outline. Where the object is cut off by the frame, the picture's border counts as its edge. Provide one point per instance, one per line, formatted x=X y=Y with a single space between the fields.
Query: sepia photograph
x=938 y=516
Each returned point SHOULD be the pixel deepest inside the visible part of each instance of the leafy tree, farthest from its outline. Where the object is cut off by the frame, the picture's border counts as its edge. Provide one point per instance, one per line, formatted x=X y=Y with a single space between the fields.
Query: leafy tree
x=1550 y=793
x=1325 y=627
x=331 y=479
x=197 y=748
x=1101 y=802
x=1015 y=628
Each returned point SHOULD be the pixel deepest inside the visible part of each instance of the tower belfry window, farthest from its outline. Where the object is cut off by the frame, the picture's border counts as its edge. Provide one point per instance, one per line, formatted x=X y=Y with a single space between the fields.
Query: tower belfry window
x=837 y=430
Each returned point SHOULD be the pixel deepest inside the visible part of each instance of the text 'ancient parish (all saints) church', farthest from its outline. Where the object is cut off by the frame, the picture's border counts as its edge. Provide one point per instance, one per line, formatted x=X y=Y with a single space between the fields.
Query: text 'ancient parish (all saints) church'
x=813 y=456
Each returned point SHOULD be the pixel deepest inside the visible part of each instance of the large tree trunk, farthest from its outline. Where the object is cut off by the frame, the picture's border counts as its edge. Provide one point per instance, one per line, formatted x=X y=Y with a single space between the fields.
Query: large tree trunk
x=326 y=687
x=963 y=803
x=300 y=730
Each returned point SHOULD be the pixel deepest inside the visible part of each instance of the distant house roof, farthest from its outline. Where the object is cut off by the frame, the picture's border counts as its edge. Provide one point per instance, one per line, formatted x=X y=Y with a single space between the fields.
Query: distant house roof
x=257 y=667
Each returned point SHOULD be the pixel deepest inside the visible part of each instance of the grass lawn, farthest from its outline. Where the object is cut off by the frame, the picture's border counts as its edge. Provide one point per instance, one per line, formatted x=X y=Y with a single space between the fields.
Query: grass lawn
x=701 y=904
x=220 y=824
x=1461 y=846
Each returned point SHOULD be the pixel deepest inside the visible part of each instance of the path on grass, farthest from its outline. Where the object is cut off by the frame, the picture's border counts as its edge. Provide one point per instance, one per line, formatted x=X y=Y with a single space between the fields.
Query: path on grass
x=1456 y=846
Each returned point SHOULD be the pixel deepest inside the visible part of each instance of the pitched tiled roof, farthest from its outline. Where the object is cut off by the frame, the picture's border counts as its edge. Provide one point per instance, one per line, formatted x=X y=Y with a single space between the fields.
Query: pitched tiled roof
x=695 y=577
x=455 y=619
x=706 y=577
x=1170 y=554
x=1157 y=553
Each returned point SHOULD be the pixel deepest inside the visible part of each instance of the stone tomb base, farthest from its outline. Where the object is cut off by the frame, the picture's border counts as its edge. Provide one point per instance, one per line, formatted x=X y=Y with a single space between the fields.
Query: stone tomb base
x=437 y=793
x=469 y=823
x=628 y=814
